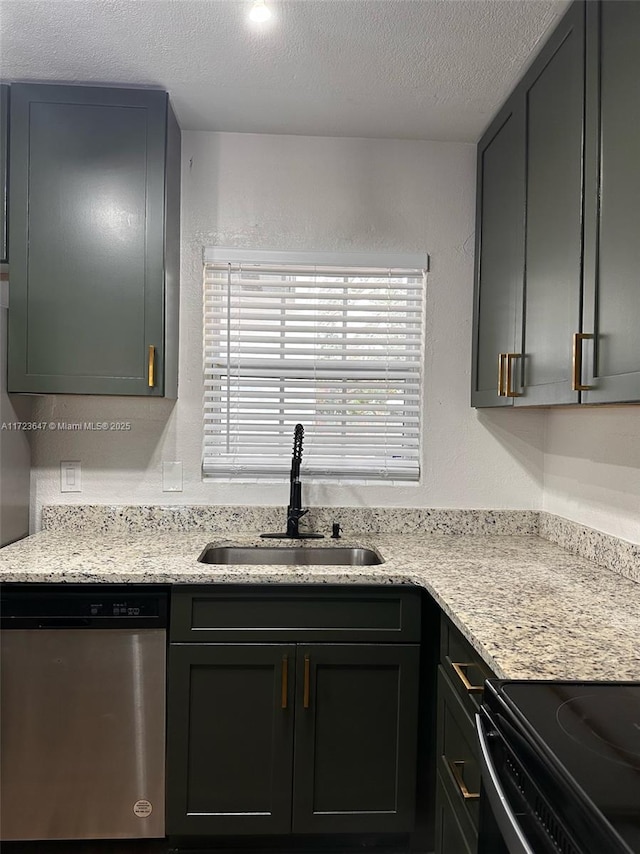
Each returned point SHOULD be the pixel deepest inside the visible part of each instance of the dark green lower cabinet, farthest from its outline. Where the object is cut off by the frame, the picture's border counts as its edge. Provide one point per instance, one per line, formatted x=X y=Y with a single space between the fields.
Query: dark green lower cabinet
x=355 y=738
x=450 y=838
x=460 y=680
x=285 y=738
x=230 y=741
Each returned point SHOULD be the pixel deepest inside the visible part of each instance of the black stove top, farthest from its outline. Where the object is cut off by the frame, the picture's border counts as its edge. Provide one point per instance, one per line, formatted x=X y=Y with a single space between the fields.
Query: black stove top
x=591 y=732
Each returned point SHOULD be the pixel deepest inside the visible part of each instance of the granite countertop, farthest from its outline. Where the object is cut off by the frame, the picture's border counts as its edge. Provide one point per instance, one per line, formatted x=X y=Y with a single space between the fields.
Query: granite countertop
x=530 y=608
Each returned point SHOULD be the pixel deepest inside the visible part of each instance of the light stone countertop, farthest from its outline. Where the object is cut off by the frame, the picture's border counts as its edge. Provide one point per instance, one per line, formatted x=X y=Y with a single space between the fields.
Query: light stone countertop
x=530 y=608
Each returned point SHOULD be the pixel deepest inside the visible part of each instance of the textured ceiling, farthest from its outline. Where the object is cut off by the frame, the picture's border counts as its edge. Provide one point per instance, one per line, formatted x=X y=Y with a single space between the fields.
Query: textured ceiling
x=417 y=69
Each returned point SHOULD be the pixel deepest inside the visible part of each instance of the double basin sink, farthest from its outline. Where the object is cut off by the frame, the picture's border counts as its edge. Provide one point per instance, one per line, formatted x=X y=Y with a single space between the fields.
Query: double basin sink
x=290 y=556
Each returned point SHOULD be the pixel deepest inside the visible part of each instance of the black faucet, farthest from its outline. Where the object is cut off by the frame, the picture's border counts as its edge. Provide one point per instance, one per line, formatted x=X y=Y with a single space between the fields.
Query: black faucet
x=295 y=511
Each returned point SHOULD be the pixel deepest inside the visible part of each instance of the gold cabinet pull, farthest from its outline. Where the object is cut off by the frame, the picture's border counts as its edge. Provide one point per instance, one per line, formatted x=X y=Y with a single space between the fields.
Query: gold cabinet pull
x=577 y=384
x=151 y=373
x=462 y=676
x=508 y=392
x=307 y=682
x=456 y=768
x=284 y=683
x=502 y=358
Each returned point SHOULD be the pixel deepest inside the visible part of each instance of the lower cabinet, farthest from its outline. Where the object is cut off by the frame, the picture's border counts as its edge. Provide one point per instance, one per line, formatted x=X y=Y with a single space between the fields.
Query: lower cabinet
x=230 y=739
x=355 y=738
x=450 y=836
x=461 y=676
x=301 y=738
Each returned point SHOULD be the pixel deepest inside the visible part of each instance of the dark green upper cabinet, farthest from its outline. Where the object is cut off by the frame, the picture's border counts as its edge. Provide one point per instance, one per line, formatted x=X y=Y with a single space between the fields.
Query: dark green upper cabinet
x=553 y=92
x=578 y=310
x=4 y=187
x=611 y=359
x=499 y=253
x=94 y=241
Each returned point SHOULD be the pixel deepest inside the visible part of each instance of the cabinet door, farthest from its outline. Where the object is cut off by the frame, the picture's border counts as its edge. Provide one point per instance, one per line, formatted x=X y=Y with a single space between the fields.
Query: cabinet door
x=4 y=140
x=87 y=211
x=355 y=738
x=612 y=216
x=450 y=837
x=499 y=252
x=554 y=93
x=230 y=739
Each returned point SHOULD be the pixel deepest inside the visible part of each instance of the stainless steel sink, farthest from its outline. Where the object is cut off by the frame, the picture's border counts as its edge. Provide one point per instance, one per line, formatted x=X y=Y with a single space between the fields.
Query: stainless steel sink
x=290 y=556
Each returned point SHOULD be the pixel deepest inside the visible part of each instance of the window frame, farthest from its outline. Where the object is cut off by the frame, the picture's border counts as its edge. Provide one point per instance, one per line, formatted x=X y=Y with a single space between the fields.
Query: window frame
x=376 y=265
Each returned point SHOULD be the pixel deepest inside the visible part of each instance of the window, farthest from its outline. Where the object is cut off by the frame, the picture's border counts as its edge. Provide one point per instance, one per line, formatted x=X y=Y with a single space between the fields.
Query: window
x=335 y=347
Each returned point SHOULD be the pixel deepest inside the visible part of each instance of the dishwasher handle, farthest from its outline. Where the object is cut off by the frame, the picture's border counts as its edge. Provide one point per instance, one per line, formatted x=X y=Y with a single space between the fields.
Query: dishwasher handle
x=506 y=820
x=64 y=623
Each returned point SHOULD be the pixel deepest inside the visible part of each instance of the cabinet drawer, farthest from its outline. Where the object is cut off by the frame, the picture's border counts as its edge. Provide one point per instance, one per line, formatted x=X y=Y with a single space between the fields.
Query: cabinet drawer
x=454 y=833
x=464 y=666
x=271 y=613
x=457 y=750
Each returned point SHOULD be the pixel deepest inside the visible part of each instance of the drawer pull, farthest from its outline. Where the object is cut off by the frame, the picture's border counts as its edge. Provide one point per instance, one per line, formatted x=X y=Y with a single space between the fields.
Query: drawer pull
x=502 y=358
x=285 y=681
x=509 y=392
x=462 y=676
x=151 y=378
x=456 y=769
x=307 y=682
x=577 y=384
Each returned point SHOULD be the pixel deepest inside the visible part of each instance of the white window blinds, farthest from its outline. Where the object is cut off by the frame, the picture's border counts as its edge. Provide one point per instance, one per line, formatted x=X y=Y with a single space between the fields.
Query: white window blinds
x=338 y=349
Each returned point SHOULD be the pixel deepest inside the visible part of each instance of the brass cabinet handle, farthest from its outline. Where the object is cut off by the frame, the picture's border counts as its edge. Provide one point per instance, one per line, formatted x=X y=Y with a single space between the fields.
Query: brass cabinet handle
x=502 y=358
x=462 y=676
x=285 y=681
x=307 y=682
x=456 y=769
x=577 y=384
x=151 y=378
x=508 y=392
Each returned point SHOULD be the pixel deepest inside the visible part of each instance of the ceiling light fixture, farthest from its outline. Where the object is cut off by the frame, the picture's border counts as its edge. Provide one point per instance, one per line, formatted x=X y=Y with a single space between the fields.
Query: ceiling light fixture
x=259 y=12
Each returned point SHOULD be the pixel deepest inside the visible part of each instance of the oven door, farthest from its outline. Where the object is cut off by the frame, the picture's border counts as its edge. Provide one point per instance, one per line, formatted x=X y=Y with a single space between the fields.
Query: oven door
x=504 y=824
x=527 y=806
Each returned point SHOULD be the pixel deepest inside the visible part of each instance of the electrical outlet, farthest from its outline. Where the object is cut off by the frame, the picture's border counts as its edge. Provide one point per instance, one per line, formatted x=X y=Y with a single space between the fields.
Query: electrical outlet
x=70 y=476
x=172 y=477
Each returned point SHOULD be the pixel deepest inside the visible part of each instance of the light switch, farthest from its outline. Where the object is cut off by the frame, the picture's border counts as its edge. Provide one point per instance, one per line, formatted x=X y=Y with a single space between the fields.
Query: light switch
x=172 y=477
x=70 y=476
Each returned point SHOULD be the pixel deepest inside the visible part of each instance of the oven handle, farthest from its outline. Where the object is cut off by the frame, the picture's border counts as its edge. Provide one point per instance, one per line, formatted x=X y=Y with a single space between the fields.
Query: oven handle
x=511 y=831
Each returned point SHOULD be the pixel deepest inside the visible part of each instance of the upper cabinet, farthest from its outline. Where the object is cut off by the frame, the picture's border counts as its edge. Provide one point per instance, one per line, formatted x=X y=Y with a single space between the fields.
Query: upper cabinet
x=4 y=139
x=557 y=257
x=94 y=241
x=611 y=359
x=553 y=96
x=499 y=252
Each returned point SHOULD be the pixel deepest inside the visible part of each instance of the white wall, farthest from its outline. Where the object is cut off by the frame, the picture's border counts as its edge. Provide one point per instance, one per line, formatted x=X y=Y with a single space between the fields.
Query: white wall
x=592 y=468
x=314 y=193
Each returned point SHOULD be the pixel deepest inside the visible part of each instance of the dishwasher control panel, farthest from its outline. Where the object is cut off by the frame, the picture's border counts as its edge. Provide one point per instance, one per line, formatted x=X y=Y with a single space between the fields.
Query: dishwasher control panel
x=37 y=606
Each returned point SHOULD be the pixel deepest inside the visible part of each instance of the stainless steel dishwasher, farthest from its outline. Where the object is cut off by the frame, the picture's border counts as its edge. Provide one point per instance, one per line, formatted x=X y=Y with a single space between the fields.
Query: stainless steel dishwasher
x=82 y=712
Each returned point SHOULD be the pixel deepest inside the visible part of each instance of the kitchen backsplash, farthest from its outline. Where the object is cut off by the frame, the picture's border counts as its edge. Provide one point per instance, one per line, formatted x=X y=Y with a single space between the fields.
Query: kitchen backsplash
x=617 y=555
x=228 y=520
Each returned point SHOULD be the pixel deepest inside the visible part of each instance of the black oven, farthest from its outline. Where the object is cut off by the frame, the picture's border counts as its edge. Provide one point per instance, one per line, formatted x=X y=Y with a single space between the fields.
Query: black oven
x=560 y=768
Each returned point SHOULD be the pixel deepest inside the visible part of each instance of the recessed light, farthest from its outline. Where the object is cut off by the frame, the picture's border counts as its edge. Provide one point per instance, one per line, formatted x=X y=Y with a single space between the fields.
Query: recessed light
x=259 y=12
